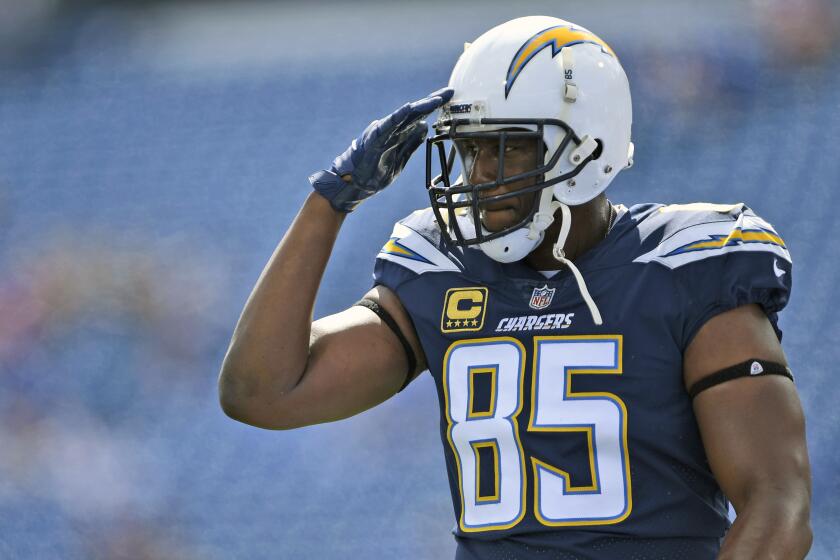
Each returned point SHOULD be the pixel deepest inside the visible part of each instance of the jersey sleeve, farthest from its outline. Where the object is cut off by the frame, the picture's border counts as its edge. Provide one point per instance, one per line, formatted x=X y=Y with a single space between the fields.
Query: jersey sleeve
x=414 y=248
x=724 y=257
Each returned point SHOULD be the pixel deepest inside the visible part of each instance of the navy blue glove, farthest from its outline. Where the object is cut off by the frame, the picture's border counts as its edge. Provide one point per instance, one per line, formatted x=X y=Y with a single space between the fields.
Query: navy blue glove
x=374 y=160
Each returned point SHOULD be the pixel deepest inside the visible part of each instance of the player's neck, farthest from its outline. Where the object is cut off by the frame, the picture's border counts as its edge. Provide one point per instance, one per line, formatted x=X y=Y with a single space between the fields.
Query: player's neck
x=590 y=224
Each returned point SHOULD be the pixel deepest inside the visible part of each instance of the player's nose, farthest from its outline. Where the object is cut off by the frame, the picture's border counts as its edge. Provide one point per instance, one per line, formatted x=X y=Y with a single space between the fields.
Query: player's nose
x=485 y=169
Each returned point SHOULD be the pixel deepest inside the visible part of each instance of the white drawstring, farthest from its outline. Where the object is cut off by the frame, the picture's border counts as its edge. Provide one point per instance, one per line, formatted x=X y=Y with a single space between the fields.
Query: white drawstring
x=560 y=255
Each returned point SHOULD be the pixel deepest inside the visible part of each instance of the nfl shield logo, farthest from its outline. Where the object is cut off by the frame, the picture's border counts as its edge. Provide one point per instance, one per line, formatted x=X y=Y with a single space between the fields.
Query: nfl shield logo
x=541 y=298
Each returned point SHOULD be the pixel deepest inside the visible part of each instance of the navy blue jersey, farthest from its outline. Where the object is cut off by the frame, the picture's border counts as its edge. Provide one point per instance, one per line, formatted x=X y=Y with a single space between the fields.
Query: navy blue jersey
x=566 y=437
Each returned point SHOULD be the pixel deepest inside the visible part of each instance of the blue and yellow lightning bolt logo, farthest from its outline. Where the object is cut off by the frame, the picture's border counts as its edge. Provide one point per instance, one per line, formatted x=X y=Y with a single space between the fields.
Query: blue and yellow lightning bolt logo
x=394 y=247
x=738 y=236
x=558 y=37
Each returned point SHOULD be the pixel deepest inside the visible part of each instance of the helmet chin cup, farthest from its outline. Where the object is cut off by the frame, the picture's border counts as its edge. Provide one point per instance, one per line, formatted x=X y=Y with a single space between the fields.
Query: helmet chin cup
x=508 y=248
x=512 y=247
x=519 y=243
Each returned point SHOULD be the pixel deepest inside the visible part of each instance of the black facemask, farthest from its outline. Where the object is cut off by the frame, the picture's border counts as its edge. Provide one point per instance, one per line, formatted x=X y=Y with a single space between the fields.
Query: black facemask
x=450 y=200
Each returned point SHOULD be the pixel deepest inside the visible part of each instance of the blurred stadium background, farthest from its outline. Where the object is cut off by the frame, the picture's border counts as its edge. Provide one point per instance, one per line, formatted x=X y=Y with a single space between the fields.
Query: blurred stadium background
x=153 y=153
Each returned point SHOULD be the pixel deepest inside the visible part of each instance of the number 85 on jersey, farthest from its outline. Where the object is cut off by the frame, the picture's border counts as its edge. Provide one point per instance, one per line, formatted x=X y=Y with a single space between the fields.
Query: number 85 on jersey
x=493 y=435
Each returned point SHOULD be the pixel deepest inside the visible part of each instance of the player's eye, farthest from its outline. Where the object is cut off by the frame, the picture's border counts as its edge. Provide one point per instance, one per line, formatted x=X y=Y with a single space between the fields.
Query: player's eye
x=518 y=147
x=467 y=147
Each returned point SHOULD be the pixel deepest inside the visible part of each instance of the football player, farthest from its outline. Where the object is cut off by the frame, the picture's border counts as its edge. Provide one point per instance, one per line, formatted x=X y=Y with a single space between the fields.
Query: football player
x=609 y=378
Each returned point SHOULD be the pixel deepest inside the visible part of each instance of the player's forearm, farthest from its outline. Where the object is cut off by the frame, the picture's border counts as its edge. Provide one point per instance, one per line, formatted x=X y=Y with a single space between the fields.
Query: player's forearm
x=270 y=344
x=775 y=526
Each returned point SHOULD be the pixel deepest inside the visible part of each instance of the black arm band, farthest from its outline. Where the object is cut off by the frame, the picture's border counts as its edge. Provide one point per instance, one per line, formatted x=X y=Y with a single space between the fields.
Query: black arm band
x=388 y=320
x=750 y=368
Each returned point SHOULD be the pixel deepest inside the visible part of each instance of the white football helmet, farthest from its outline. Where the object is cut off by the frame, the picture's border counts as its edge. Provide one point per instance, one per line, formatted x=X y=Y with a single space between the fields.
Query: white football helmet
x=541 y=77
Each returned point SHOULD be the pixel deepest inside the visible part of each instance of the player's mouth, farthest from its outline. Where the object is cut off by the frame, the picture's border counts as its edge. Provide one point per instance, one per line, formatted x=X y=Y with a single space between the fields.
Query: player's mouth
x=500 y=215
x=500 y=206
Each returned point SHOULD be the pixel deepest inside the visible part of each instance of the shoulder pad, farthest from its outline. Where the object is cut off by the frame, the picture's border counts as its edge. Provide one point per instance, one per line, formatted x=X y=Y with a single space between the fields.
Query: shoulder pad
x=416 y=244
x=693 y=232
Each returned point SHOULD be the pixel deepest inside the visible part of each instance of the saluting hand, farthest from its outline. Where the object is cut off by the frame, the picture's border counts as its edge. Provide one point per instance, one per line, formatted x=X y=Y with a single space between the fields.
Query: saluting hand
x=375 y=158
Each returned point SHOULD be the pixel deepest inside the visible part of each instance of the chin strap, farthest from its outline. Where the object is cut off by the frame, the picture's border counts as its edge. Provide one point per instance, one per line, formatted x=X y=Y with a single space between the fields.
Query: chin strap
x=545 y=214
x=560 y=255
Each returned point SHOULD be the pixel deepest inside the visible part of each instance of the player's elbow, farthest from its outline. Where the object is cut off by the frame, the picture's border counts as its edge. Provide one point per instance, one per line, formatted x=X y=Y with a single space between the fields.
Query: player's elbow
x=801 y=533
x=254 y=414
x=234 y=407
x=794 y=519
x=232 y=394
x=781 y=515
x=806 y=537
x=795 y=535
x=240 y=400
